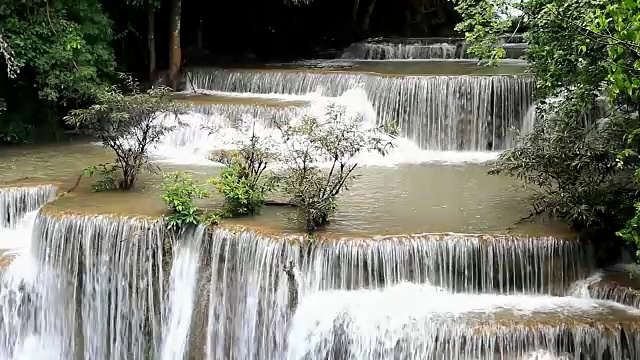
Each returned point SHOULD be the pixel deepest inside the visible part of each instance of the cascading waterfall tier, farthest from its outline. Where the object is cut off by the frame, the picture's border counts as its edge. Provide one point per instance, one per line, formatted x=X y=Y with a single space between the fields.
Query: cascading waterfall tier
x=88 y=287
x=232 y=114
x=619 y=286
x=411 y=321
x=214 y=125
x=98 y=287
x=249 y=300
x=15 y=202
x=475 y=113
x=457 y=262
x=393 y=51
x=425 y=48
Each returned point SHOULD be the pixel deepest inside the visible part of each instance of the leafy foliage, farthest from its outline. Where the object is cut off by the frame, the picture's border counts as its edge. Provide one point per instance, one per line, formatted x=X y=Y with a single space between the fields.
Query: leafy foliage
x=129 y=124
x=243 y=181
x=337 y=137
x=180 y=192
x=107 y=174
x=578 y=157
x=60 y=45
x=55 y=54
x=9 y=58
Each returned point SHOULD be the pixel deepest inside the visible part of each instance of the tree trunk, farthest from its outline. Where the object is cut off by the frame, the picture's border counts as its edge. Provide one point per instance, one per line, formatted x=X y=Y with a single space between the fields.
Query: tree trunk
x=354 y=16
x=366 y=20
x=200 y=39
x=174 y=42
x=151 y=41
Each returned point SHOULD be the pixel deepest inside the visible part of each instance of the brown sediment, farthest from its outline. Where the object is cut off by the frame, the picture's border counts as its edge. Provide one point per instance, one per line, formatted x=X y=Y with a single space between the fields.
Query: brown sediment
x=6 y=260
x=144 y=201
x=277 y=234
x=204 y=99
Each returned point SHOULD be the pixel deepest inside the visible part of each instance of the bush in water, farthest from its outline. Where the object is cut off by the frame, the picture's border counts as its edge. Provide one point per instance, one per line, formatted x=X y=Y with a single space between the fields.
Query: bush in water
x=243 y=181
x=335 y=138
x=128 y=124
x=180 y=191
x=107 y=178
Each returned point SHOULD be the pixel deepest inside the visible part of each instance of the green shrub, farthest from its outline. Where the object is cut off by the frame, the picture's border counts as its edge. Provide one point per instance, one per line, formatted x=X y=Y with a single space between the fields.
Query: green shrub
x=243 y=193
x=180 y=191
x=243 y=182
x=107 y=174
x=337 y=137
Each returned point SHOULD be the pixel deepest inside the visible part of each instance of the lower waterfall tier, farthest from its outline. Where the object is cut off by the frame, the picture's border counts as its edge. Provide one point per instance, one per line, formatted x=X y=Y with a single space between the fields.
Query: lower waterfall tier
x=412 y=321
x=100 y=287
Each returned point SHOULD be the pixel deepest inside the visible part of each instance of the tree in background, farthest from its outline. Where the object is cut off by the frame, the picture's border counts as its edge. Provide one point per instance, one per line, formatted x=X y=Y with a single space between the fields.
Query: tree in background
x=62 y=44
x=9 y=60
x=129 y=124
x=150 y=7
x=582 y=154
x=61 y=49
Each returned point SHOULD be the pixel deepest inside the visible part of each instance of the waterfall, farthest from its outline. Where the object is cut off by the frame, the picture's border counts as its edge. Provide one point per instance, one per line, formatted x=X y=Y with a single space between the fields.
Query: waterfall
x=425 y=48
x=248 y=296
x=99 y=287
x=230 y=114
x=214 y=126
x=615 y=288
x=391 y=51
x=458 y=262
x=182 y=295
x=15 y=202
x=471 y=113
x=411 y=321
x=88 y=286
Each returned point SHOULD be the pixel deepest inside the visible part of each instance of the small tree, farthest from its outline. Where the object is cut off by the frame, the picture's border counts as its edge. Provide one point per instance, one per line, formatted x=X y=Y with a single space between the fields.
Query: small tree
x=336 y=138
x=571 y=167
x=129 y=124
x=243 y=181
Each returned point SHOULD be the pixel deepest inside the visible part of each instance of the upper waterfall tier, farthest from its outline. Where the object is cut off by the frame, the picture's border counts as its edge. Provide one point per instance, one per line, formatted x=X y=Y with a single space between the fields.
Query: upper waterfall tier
x=425 y=48
x=15 y=202
x=472 y=113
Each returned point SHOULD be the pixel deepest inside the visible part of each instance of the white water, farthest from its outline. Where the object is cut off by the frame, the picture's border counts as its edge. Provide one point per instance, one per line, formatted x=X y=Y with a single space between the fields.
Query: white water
x=30 y=296
x=425 y=322
x=181 y=300
x=14 y=239
x=192 y=144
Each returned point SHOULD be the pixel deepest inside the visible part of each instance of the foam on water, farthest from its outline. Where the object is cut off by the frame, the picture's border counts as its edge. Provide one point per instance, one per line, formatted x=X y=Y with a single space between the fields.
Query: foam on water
x=192 y=144
x=412 y=321
x=18 y=237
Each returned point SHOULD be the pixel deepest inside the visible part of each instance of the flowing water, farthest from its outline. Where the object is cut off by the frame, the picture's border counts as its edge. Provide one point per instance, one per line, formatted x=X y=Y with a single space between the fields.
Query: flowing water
x=442 y=113
x=425 y=48
x=92 y=287
x=466 y=285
